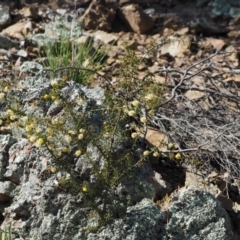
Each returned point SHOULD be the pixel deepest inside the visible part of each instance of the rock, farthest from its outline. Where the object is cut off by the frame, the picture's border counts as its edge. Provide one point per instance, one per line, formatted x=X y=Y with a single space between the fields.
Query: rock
x=42 y=39
x=168 y=32
x=62 y=30
x=6 y=191
x=5 y=143
x=98 y=16
x=154 y=138
x=234 y=12
x=22 y=53
x=218 y=44
x=17 y=158
x=31 y=67
x=161 y=187
x=5 y=17
x=226 y=202
x=232 y=55
x=7 y=43
x=140 y=223
x=104 y=37
x=30 y=12
x=192 y=94
x=176 y=46
x=27 y=28
x=196 y=214
x=136 y=19
x=229 y=8
x=194 y=180
x=207 y=28
x=16 y=29
x=183 y=31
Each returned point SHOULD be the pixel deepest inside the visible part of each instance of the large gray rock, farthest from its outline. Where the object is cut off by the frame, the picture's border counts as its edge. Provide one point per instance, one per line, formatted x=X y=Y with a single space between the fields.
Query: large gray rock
x=36 y=201
x=196 y=214
x=142 y=222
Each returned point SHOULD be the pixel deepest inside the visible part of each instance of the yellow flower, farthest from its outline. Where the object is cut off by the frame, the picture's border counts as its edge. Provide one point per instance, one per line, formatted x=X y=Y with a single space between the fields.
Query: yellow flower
x=171 y=146
x=38 y=130
x=156 y=154
x=58 y=153
x=13 y=117
x=68 y=138
x=6 y=89
x=134 y=135
x=28 y=128
x=32 y=138
x=57 y=102
x=1 y=121
x=33 y=125
x=135 y=103
x=106 y=134
x=79 y=101
x=178 y=156
x=53 y=97
x=146 y=153
x=55 y=121
x=72 y=132
x=65 y=149
x=131 y=113
x=46 y=96
x=78 y=153
x=82 y=130
x=80 y=136
x=84 y=189
x=54 y=83
x=2 y=95
x=150 y=96
x=39 y=142
x=143 y=119
x=9 y=112
x=53 y=169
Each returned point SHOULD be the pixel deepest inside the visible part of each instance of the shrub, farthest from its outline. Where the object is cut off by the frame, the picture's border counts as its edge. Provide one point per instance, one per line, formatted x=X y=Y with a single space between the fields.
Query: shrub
x=77 y=133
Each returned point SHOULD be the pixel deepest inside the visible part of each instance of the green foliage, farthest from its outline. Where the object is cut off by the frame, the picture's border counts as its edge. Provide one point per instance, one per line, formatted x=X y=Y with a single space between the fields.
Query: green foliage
x=6 y=233
x=74 y=136
x=68 y=52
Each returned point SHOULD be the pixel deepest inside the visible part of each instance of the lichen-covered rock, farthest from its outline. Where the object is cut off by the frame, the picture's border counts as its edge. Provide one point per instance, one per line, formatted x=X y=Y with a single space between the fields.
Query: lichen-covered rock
x=38 y=207
x=6 y=141
x=196 y=214
x=31 y=67
x=6 y=191
x=230 y=8
x=142 y=222
x=17 y=161
x=5 y=17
